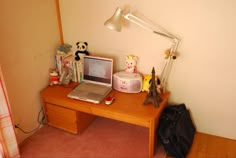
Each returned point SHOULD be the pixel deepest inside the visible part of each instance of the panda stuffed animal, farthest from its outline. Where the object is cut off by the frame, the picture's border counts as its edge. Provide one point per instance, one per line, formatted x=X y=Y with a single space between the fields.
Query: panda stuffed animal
x=82 y=49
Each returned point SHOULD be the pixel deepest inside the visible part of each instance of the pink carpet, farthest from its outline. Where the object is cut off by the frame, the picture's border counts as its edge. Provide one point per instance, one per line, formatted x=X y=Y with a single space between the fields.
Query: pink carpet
x=104 y=138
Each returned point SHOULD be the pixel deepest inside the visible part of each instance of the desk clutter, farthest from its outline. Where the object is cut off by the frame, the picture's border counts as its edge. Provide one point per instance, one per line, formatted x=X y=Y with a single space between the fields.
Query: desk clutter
x=69 y=65
x=72 y=67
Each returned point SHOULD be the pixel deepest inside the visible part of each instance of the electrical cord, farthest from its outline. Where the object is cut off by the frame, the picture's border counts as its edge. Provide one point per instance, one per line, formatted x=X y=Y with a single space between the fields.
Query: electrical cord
x=40 y=122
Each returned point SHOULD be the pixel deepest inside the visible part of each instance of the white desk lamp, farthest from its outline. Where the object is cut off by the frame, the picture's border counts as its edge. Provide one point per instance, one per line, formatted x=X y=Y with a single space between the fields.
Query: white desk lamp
x=114 y=23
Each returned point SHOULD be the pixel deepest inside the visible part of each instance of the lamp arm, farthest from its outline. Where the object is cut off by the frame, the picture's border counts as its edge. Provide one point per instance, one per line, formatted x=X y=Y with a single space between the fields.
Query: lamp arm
x=173 y=48
x=147 y=26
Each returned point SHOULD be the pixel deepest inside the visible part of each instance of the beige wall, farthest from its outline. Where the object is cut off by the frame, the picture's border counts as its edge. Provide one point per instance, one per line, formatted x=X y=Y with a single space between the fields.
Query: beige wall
x=203 y=77
x=29 y=36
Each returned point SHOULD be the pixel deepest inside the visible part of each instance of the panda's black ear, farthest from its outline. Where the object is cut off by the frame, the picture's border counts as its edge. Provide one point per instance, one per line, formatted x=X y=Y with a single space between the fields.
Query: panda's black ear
x=86 y=43
x=77 y=43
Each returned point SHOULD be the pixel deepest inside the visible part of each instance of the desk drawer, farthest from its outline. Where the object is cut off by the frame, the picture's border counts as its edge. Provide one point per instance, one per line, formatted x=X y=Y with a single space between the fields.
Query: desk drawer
x=62 y=118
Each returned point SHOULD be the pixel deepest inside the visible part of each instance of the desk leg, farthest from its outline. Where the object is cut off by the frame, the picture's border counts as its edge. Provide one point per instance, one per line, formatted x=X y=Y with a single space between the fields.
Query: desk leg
x=151 y=138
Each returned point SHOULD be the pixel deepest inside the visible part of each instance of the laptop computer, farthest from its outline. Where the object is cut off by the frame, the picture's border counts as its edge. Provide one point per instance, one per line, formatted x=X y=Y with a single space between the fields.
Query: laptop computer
x=97 y=80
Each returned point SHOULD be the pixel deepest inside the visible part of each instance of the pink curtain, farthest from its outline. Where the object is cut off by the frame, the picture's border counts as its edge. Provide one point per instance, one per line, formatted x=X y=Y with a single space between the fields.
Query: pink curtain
x=8 y=143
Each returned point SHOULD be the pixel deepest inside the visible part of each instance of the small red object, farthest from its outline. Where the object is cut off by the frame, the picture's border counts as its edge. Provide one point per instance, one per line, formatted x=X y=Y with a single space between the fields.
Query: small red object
x=109 y=100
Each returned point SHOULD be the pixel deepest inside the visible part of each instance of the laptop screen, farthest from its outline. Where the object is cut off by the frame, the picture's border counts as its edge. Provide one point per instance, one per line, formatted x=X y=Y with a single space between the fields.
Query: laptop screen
x=98 y=70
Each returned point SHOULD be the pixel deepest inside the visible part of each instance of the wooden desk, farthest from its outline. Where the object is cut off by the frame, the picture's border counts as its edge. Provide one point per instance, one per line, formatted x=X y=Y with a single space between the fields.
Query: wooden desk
x=74 y=116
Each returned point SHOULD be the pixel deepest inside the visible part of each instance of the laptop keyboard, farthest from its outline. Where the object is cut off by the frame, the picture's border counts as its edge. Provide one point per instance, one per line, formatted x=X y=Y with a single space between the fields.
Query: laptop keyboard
x=89 y=87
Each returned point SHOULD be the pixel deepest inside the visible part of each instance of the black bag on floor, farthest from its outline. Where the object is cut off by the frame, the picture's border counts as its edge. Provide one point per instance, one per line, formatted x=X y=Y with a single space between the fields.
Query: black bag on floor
x=176 y=130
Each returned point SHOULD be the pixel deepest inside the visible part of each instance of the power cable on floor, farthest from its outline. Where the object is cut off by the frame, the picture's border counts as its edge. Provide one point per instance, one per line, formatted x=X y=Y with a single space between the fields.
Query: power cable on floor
x=40 y=122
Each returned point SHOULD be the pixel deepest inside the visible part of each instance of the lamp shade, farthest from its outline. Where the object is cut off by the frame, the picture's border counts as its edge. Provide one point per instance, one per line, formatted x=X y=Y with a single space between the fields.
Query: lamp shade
x=114 y=23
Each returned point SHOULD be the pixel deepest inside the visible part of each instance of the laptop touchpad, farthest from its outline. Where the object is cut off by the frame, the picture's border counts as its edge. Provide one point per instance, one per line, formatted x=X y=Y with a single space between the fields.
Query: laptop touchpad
x=83 y=94
x=94 y=96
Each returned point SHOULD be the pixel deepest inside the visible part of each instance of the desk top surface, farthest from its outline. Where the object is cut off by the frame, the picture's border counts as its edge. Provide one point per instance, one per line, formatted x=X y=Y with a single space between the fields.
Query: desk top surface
x=127 y=106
